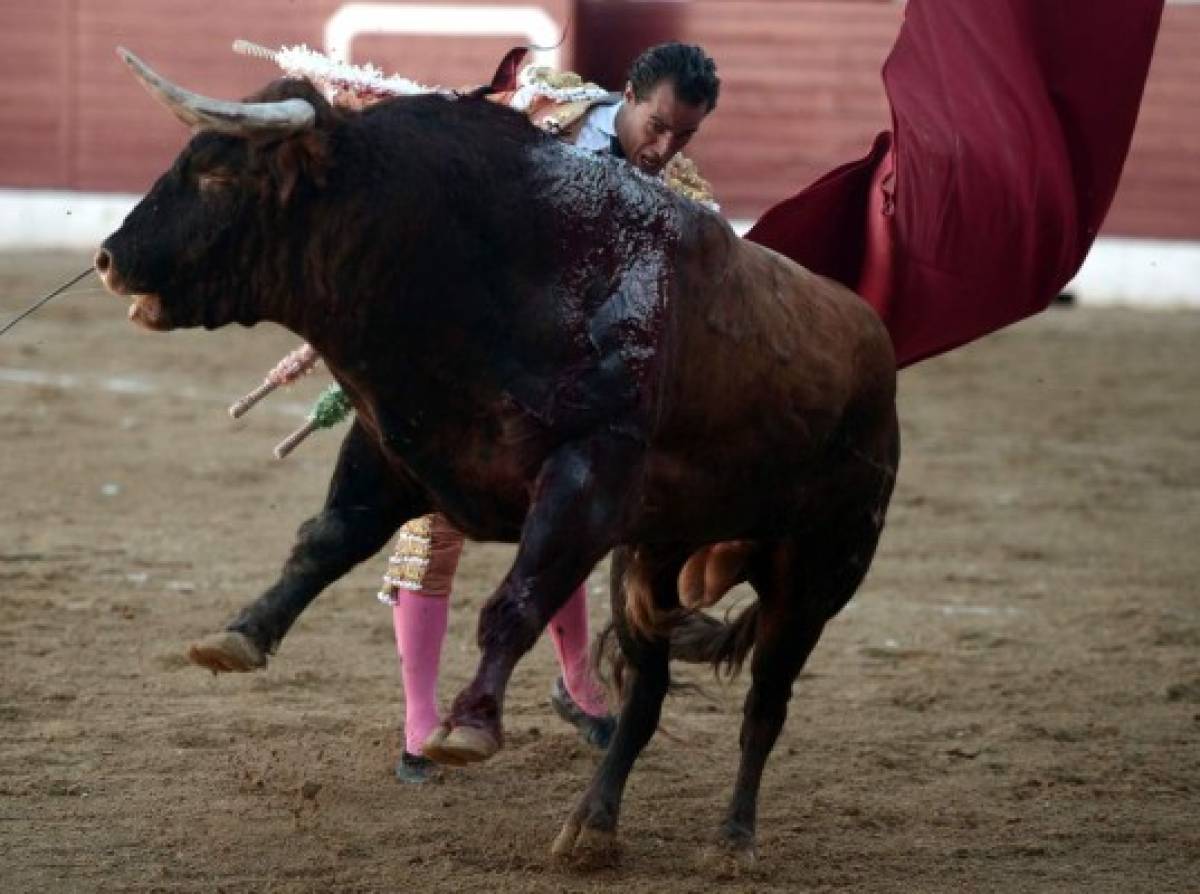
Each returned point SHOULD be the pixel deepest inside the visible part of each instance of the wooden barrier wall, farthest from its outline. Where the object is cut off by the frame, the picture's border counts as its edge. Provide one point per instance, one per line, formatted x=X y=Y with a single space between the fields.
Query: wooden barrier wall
x=801 y=91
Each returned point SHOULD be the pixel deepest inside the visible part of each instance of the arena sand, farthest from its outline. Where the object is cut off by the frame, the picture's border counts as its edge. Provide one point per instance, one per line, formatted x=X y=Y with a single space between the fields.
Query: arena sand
x=1012 y=702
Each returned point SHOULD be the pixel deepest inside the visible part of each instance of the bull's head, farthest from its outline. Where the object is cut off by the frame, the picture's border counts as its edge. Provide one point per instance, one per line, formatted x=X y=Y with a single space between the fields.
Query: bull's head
x=187 y=252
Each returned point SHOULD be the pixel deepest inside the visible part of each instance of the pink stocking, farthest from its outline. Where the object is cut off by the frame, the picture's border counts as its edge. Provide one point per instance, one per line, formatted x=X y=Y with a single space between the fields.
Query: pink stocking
x=569 y=632
x=420 y=623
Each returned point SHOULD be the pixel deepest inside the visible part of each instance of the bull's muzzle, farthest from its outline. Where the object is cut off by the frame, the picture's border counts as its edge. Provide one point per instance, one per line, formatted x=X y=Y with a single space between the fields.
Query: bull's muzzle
x=146 y=309
x=103 y=262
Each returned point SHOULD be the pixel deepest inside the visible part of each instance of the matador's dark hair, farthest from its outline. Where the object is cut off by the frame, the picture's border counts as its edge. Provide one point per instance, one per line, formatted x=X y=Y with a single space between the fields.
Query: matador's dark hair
x=692 y=72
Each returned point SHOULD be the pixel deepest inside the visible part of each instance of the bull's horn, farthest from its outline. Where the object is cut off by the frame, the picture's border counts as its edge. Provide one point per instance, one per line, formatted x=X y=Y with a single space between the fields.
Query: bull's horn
x=237 y=118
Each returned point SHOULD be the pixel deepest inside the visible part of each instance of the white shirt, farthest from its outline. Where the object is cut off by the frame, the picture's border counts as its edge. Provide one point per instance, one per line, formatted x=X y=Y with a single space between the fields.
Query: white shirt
x=599 y=128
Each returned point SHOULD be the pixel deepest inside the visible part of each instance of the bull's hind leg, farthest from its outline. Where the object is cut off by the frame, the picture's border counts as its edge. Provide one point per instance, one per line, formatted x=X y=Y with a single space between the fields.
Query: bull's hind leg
x=802 y=583
x=588 y=837
x=786 y=633
x=364 y=507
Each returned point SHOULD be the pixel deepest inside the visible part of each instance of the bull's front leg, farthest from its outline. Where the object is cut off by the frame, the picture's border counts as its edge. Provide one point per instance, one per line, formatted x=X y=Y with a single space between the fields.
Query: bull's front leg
x=574 y=519
x=364 y=507
x=589 y=836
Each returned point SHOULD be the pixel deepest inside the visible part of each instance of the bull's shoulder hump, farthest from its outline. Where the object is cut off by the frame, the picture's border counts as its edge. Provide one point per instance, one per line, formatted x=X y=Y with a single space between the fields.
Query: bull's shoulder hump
x=805 y=277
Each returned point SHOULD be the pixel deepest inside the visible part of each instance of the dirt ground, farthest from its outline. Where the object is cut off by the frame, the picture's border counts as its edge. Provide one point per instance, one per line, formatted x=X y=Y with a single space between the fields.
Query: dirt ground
x=1012 y=702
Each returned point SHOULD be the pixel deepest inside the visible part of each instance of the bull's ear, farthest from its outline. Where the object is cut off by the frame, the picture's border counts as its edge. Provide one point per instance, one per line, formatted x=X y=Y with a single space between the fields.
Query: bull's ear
x=302 y=158
x=505 y=78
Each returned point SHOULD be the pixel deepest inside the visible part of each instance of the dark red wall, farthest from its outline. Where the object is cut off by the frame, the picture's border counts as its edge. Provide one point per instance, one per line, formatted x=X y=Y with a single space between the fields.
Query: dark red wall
x=71 y=116
x=801 y=89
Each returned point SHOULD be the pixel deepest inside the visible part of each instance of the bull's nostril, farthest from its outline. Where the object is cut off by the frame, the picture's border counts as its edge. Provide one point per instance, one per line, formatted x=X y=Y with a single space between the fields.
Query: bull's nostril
x=103 y=261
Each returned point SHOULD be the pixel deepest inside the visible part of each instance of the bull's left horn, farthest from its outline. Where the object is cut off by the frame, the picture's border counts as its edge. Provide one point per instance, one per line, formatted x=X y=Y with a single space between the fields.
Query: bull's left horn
x=238 y=118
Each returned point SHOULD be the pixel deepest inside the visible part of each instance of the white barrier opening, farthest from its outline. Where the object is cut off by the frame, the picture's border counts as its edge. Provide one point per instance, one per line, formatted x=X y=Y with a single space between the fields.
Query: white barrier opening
x=457 y=20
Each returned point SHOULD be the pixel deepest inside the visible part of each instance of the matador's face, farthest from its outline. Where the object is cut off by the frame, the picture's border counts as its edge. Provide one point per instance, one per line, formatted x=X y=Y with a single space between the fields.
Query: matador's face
x=654 y=129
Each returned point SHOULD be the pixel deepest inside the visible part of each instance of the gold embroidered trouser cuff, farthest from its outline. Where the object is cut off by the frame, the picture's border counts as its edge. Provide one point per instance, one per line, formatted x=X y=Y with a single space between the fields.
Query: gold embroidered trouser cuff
x=424 y=559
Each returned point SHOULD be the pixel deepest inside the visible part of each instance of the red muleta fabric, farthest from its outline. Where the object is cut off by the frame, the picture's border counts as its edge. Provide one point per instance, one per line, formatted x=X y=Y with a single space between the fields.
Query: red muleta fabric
x=1011 y=121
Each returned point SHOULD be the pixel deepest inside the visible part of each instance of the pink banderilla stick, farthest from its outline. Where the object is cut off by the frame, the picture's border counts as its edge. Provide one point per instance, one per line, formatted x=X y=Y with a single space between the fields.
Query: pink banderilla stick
x=288 y=370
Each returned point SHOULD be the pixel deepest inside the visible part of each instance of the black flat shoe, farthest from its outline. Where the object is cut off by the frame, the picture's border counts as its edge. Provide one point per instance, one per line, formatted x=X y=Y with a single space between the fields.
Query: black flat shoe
x=416 y=769
x=595 y=731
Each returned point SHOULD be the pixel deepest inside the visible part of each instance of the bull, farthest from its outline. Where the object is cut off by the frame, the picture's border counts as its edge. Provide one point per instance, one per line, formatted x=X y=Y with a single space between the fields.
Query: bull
x=600 y=366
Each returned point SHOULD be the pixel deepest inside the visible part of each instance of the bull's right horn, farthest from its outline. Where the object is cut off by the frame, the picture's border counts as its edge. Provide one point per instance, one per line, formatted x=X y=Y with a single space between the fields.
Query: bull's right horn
x=237 y=118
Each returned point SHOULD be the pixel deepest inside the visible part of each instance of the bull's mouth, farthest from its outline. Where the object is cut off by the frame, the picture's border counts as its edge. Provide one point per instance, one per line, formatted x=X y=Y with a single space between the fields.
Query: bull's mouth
x=147 y=311
x=147 y=308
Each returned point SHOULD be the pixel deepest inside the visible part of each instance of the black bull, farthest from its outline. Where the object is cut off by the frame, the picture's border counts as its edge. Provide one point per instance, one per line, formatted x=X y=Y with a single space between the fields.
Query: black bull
x=553 y=350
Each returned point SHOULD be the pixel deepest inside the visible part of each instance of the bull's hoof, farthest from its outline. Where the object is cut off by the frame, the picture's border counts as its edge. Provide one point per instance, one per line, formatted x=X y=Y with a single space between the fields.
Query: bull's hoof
x=585 y=847
x=729 y=859
x=227 y=651
x=460 y=745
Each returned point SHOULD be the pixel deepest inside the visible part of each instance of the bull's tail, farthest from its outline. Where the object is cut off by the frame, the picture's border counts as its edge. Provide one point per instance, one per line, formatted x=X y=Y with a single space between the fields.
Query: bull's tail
x=701 y=639
x=696 y=639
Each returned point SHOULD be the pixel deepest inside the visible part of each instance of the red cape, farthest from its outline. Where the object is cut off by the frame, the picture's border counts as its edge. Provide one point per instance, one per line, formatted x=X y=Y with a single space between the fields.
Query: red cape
x=1011 y=121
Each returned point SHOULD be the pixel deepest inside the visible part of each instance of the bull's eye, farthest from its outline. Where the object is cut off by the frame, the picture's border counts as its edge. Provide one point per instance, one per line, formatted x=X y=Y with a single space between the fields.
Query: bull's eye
x=212 y=184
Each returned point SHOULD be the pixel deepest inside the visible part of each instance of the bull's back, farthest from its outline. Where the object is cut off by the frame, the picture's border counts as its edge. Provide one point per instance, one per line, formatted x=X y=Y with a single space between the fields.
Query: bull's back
x=755 y=341
x=773 y=383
